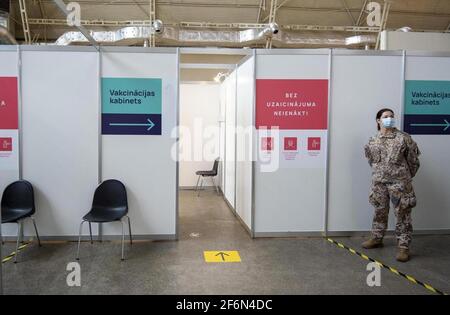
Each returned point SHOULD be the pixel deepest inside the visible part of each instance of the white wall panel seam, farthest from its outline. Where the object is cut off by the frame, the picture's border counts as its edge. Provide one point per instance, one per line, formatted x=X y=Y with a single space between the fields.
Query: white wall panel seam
x=327 y=167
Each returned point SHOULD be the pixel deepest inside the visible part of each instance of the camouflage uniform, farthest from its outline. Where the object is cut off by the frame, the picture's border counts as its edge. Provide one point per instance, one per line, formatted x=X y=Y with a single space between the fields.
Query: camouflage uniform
x=394 y=159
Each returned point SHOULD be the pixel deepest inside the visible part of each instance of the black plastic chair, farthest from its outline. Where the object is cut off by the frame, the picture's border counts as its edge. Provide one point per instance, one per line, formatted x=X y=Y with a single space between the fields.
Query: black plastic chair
x=110 y=204
x=18 y=205
x=208 y=174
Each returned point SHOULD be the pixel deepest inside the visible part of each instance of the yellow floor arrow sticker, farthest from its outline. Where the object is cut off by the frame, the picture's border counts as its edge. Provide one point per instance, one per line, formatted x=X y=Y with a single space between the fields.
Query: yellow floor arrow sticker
x=222 y=256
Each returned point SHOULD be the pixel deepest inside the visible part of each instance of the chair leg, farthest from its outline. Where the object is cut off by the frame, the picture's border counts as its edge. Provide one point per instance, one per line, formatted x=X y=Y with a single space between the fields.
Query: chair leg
x=37 y=233
x=198 y=181
x=19 y=232
x=123 y=240
x=22 y=236
x=90 y=232
x=129 y=228
x=79 y=240
x=100 y=232
x=215 y=186
x=201 y=186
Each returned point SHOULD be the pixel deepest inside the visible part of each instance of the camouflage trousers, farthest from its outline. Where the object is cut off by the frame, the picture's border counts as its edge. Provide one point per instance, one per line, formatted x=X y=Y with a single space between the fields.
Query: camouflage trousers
x=403 y=198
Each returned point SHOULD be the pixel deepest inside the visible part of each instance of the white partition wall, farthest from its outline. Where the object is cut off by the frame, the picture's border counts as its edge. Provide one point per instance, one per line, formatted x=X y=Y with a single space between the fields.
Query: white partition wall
x=244 y=145
x=200 y=136
x=431 y=184
x=321 y=178
x=230 y=138
x=9 y=137
x=361 y=85
x=222 y=139
x=146 y=163
x=290 y=199
x=60 y=124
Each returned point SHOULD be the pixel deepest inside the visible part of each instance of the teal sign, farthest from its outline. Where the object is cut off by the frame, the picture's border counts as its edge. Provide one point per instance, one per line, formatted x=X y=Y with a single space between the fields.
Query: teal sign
x=427 y=107
x=131 y=106
x=131 y=96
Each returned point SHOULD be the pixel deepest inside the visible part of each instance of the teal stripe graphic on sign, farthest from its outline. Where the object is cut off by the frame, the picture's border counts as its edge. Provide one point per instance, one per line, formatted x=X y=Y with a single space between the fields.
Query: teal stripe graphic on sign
x=427 y=98
x=131 y=96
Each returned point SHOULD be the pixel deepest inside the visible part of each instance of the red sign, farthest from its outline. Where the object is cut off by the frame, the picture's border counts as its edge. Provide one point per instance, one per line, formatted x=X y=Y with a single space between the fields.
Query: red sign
x=9 y=112
x=292 y=104
x=290 y=144
x=314 y=144
x=267 y=144
x=6 y=145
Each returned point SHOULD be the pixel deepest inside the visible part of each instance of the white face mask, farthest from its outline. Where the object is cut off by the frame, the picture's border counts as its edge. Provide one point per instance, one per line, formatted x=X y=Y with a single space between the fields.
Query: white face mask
x=388 y=122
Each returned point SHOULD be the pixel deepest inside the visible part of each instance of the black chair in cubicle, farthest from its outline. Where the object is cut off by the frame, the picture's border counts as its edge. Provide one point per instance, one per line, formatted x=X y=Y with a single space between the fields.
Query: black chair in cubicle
x=208 y=174
x=110 y=204
x=18 y=205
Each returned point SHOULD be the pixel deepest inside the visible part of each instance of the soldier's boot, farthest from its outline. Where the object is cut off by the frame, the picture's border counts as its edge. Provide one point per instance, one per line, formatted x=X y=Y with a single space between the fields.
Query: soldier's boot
x=372 y=243
x=403 y=255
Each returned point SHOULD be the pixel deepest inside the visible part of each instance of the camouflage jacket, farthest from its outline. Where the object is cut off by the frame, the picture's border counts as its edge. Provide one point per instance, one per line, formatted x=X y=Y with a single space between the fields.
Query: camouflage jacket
x=393 y=157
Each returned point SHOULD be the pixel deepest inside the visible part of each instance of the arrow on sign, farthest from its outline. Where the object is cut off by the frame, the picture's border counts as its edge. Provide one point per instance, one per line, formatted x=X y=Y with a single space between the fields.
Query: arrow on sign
x=223 y=255
x=150 y=124
x=446 y=125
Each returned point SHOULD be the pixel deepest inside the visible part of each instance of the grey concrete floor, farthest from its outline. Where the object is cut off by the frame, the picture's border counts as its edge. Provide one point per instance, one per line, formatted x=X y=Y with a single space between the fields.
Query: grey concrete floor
x=269 y=266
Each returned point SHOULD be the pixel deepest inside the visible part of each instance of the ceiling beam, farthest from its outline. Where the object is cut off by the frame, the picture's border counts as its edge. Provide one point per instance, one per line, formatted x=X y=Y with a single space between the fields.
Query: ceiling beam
x=272 y=18
x=347 y=9
x=284 y=2
x=225 y=5
x=361 y=14
x=142 y=8
x=152 y=15
x=384 y=19
x=262 y=7
x=25 y=22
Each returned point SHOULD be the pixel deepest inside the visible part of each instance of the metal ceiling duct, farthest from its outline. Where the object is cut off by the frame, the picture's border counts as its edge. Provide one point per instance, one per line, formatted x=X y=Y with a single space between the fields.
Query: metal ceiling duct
x=6 y=38
x=205 y=37
x=4 y=13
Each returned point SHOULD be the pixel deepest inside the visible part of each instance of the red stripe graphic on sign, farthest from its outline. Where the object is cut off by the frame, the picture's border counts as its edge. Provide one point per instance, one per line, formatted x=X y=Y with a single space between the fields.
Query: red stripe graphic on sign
x=9 y=112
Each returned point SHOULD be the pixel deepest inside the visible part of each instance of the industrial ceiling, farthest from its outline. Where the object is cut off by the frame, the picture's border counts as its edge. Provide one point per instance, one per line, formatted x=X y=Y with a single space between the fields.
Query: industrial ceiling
x=227 y=23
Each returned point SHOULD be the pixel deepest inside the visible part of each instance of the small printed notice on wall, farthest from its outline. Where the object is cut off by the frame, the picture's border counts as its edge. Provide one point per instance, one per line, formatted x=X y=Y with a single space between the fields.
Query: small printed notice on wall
x=9 y=124
x=292 y=122
x=131 y=106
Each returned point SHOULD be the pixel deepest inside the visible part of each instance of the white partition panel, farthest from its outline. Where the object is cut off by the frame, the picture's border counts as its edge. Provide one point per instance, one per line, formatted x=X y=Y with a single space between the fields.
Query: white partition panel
x=245 y=108
x=291 y=199
x=222 y=100
x=433 y=179
x=200 y=136
x=361 y=85
x=230 y=139
x=9 y=160
x=60 y=124
x=145 y=164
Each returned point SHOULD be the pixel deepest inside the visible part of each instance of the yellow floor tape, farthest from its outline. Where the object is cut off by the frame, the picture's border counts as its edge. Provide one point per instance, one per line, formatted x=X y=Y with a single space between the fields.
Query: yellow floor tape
x=11 y=256
x=393 y=270
x=222 y=256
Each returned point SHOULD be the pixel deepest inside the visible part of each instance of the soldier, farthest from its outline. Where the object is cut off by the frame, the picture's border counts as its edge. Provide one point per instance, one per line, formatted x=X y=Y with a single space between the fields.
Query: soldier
x=394 y=158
